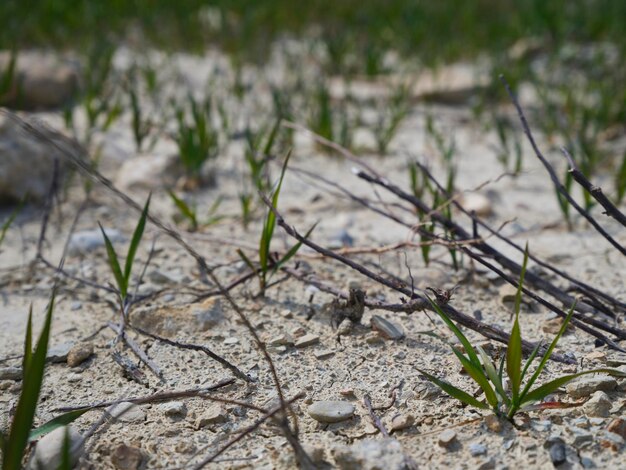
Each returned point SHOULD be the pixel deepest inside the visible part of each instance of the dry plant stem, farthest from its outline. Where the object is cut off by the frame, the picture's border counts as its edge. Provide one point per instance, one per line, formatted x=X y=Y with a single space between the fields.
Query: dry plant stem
x=52 y=192
x=74 y=154
x=465 y=320
x=487 y=249
x=246 y=432
x=196 y=347
x=375 y=419
x=555 y=180
x=136 y=349
x=576 y=321
x=585 y=288
x=595 y=191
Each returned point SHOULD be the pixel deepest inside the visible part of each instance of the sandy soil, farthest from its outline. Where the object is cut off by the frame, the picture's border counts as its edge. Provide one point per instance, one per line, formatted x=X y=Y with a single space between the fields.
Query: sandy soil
x=361 y=363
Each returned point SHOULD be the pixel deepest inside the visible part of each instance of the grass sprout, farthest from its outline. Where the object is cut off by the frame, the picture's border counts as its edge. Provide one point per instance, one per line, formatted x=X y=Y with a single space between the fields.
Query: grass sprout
x=268 y=262
x=491 y=379
x=122 y=277
x=33 y=365
x=188 y=212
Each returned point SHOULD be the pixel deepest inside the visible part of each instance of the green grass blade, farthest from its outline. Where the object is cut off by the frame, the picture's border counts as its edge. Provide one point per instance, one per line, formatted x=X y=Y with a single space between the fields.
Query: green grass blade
x=66 y=460
x=546 y=389
x=28 y=341
x=27 y=403
x=455 y=392
x=184 y=209
x=134 y=243
x=457 y=332
x=476 y=373
x=272 y=137
x=496 y=379
x=57 y=422
x=7 y=224
x=514 y=348
x=514 y=359
x=293 y=250
x=114 y=264
x=548 y=352
x=270 y=221
x=531 y=358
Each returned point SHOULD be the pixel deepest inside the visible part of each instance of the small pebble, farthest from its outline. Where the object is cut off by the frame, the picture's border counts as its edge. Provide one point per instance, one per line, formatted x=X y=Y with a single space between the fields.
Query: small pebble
x=10 y=373
x=324 y=354
x=125 y=457
x=599 y=405
x=401 y=422
x=298 y=332
x=307 y=340
x=214 y=415
x=230 y=341
x=493 y=423
x=331 y=411
x=446 y=438
x=557 y=450
x=477 y=449
x=587 y=386
x=59 y=352
x=617 y=426
x=127 y=412
x=79 y=353
x=280 y=340
x=173 y=409
x=386 y=328
x=476 y=202
x=49 y=449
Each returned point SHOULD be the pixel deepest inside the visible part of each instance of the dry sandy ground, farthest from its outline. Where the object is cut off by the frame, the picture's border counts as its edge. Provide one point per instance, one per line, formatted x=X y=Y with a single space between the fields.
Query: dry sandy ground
x=361 y=363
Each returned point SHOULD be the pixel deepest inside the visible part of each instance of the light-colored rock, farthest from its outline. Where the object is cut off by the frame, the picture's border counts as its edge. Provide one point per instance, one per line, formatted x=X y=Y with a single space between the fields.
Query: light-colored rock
x=588 y=385
x=386 y=328
x=49 y=449
x=372 y=454
x=307 y=340
x=280 y=340
x=26 y=162
x=475 y=448
x=599 y=405
x=10 y=373
x=173 y=409
x=170 y=321
x=79 y=353
x=331 y=411
x=493 y=423
x=127 y=412
x=126 y=457
x=59 y=352
x=214 y=415
x=147 y=172
x=617 y=426
x=553 y=326
x=41 y=80
x=324 y=354
x=477 y=202
x=86 y=241
x=400 y=422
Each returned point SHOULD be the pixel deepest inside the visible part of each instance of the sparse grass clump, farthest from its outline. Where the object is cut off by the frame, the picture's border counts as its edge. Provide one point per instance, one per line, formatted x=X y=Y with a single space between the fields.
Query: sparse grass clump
x=491 y=379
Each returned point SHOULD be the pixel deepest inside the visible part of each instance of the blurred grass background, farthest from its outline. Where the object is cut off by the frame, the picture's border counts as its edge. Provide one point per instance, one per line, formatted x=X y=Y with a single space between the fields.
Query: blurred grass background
x=433 y=31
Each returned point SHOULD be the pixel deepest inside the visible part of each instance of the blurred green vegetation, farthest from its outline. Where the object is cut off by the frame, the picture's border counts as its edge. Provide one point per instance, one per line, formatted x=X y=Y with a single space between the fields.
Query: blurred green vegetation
x=433 y=31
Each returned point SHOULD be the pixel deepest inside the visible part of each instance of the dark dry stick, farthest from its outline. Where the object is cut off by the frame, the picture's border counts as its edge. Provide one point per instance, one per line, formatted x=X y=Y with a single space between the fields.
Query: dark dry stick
x=375 y=419
x=595 y=191
x=246 y=432
x=555 y=180
x=196 y=347
x=486 y=330
x=585 y=288
x=136 y=349
x=162 y=396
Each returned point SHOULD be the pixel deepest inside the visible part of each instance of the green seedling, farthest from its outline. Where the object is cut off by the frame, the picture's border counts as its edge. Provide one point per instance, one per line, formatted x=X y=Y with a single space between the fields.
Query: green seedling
x=189 y=212
x=491 y=379
x=245 y=201
x=620 y=180
x=509 y=142
x=322 y=121
x=198 y=141
x=141 y=126
x=268 y=263
x=122 y=278
x=258 y=153
x=7 y=78
x=394 y=112
x=7 y=223
x=33 y=365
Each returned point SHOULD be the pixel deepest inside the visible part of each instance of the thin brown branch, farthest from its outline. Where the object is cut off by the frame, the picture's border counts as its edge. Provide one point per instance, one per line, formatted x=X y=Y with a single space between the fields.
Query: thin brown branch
x=375 y=419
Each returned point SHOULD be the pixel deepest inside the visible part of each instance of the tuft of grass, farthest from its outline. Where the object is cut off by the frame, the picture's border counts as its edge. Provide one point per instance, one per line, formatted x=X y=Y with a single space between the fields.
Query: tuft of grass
x=395 y=111
x=7 y=223
x=198 y=140
x=122 y=278
x=189 y=212
x=508 y=143
x=491 y=380
x=141 y=126
x=33 y=365
x=268 y=262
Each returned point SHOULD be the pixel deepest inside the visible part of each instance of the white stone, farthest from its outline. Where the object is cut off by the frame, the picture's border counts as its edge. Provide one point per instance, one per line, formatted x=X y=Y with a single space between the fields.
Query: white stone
x=49 y=449
x=85 y=241
x=127 y=412
x=331 y=411
x=588 y=385
x=599 y=405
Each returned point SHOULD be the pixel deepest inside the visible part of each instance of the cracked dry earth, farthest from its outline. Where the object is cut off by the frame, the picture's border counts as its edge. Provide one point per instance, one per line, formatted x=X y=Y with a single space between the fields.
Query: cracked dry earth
x=428 y=429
